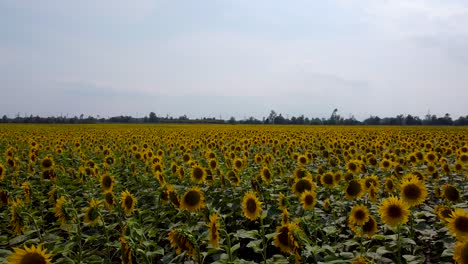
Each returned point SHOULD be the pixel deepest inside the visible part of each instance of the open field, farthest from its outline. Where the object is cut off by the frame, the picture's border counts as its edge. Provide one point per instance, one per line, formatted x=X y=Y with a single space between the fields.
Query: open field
x=220 y=193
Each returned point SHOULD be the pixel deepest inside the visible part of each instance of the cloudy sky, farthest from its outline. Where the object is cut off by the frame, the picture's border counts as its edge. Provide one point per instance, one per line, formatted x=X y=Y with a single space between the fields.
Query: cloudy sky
x=234 y=58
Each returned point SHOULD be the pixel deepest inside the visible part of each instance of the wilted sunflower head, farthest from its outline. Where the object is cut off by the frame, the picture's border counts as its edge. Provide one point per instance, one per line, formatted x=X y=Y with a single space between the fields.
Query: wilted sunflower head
x=109 y=200
x=285 y=239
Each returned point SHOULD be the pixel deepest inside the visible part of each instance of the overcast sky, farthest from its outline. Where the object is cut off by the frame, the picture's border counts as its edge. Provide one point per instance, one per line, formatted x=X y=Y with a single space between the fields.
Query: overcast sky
x=234 y=58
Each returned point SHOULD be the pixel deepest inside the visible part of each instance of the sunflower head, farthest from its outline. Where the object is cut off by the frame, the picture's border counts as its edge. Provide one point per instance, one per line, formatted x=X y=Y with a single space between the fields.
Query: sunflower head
x=47 y=162
x=450 y=193
x=413 y=191
x=213 y=230
x=285 y=240
x=390 y=184
x=30 y=255
x=182 y=241
x=461 y=252
x=328 y=180
x=128 y=202
x=302 y=185
x=458 y=224
x=193 y=200
x=371 y=180
x=92 y=215
x=359 y=215
x=251 y=206
x=354 y=189
x=109 y=200
x=443 y=212
x=394 y=211
x=266 y=175
x=308 y=200
x=107 y=182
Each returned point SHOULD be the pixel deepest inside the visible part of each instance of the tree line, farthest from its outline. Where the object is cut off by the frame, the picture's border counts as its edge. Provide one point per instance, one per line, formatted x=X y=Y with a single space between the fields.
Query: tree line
x=272 y=118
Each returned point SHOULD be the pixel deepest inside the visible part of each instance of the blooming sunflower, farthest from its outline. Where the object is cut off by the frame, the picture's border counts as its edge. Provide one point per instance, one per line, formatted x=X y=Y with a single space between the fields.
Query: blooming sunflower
x=251 y=206
x=458 y=224
x=193 y=200
x=450 y=193
x=461 y=252
x=413 y=191
x=91 y=212
x=371 y=180
x=266 y=175
x=360 y=260
x=394 y=211
x=30 y=255
x=443 y=212
x=370 y=227
x=359 y=215
x=326 y=205
x=354 y=189
x=109 y=200
x=328 y=180
x=47 y=163
x=353 y=166
x=285 y=239
x=302 y=160
x=390 y=185
x=213 y=230
x=198 y=174
x=303 y=184
x=2 y=172
x=308 y=200
x=128 y=202
x=107 y=182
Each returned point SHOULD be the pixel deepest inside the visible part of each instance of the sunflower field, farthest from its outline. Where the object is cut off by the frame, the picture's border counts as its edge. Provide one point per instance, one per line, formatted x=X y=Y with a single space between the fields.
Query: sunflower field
x=233 y=194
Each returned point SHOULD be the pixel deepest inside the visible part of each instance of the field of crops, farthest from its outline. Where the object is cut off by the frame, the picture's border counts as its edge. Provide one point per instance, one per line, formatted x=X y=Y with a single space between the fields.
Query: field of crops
x=233 y=194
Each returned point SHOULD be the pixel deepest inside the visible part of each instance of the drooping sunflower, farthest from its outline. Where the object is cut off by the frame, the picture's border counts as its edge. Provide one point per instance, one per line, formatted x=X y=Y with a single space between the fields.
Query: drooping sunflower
x=450 y=193
x=26 y=191
x=182 y=241
x=266 y=175
x=354 y=189
x=62 y=211
x=109 y=200
x=371 y=180
x=413 y=191
x=328 y=180
x=128 y=202
x=285 y=240
x=4 y=198
x=17 y=222
x=461 y=252
x=359 y=215
x=251 y=206
x=107 y=182
x=458 y=224
x=126 y=250
x=394 y=211
x=173 y=197
x=30 y=255
x=92 y=216
x=308 y=200
x=193 y=200
x=213 y=230
x=198 y=174
x=303 y=184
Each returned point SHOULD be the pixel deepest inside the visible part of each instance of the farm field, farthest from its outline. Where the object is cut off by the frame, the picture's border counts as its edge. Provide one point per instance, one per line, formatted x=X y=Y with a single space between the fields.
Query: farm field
x=233 y=194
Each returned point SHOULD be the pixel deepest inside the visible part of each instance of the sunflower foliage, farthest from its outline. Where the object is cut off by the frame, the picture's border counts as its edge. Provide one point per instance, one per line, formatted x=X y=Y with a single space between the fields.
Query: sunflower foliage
x=233 y=194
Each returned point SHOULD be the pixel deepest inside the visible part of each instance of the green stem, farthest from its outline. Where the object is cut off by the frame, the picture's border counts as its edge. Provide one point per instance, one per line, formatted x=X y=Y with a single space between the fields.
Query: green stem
x=398 y=244
x=36 y=226
x=106 y=232
x=264 y=242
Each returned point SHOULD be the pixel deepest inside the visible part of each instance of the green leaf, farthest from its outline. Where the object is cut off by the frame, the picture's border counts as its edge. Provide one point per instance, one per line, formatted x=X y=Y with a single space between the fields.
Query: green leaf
x=235 y=247
x=255 y=245
x=17 y=240
x=252 y=234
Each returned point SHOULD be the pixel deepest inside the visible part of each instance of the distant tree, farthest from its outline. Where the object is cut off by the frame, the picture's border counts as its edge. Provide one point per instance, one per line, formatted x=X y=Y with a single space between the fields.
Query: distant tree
x=232 y=120
x=153 y=118
x=272 y=116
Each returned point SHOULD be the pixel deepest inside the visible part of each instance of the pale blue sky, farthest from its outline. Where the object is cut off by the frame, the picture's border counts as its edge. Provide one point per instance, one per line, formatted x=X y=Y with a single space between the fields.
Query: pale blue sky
x=234 y=58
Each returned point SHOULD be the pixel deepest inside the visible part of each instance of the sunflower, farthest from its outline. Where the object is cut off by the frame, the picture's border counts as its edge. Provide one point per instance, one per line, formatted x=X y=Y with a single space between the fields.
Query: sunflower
x=251 y=206
x=173 y=197
x=443 y=212
x=238 y=164
x=109 y=160
x=285 y=240
x=61 y=211
x=16 y=220
x=326 y=205
x=281 y=201
x=461 y=252
x=107 y=182
x=126 y=250
x=308 y=200
x=359 y=215
x=182 y=241
x=266 y=175
x=360 y=260
x=390 y=185
x=213 y=230
x=413 y=191
x=353 y=166
x=450 y=193
x=372 y=193
x=4 y=197
x=91 y=212
x=26 y=191
x=47 y=163
x=193 y=200
x=109 y=200
x=30 y=255
x=386 y=164
x=370 y=227
x=300 y=173
x=198 y=174
x=213 y=163
x=458 y=224
x=354 y=189
x=328 y=180
x=371 y=180
x=128 y=202
x=284 y=216
x=2 y=172
x=302 y=160
x=303 y=184
x=394 y=211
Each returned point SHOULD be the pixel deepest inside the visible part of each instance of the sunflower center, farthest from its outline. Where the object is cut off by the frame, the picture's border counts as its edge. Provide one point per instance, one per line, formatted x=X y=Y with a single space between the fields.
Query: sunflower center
x=394 y=211
x=109 y=198
x=302 y=160
x=368 y=226
x=197 y=173
x=266 y=174
x=192 y=198
x=360 y=215
x=283 y=237
x=328 y=179
x=451 y=193
x=461 y=224
x=251 y=205
x=309 y=199
x=352 y=167
x=390 y=185
x=47 y=163
x=128 y=202
x=353 y=188
x=33 y=258
x=412 y=192
x=107 y=182
x=303 y=185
